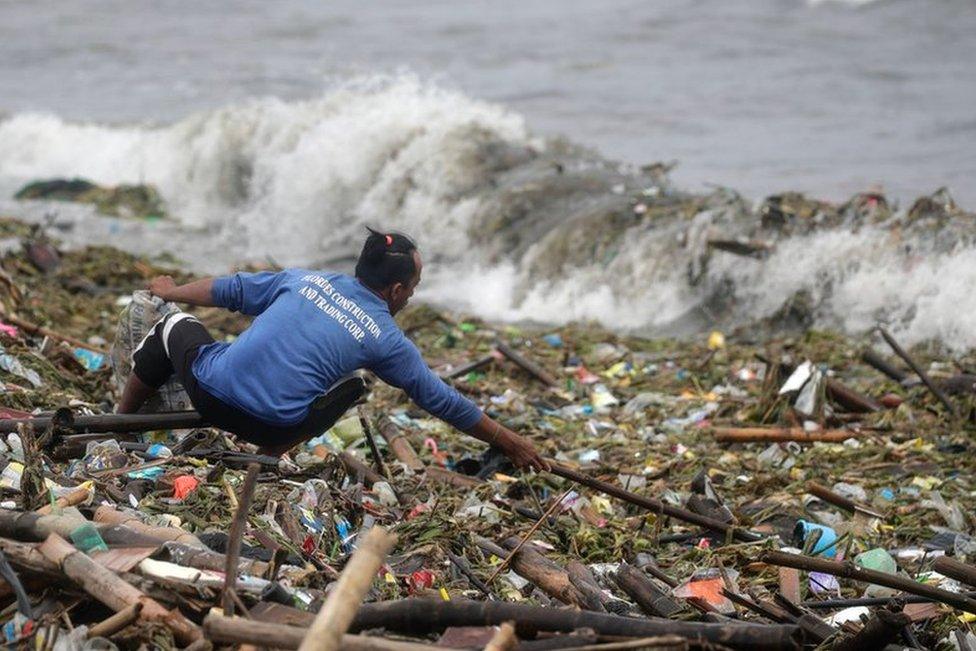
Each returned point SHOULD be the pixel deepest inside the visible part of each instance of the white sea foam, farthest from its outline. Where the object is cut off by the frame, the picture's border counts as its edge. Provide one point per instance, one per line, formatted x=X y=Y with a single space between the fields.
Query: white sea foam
x=296 y=180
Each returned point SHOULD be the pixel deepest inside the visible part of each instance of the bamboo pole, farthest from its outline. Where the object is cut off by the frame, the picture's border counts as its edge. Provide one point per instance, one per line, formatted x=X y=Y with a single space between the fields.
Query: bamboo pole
x=112 y=422
x=339 y=609
x=234 y=537
x=115 y=623
x=74 y=498
x=104 y=585
x=504 y=638
x=652 y=504
x=234 y=630
x=779 y=434
x=849 y=570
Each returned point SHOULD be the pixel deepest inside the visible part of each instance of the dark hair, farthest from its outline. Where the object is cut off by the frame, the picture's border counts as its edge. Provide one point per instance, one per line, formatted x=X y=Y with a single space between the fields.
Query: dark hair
x=386 y=259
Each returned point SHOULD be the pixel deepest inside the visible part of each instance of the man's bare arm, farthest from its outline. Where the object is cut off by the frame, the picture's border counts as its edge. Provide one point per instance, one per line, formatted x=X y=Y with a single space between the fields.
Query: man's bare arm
x=517 y=448
x=199 y=292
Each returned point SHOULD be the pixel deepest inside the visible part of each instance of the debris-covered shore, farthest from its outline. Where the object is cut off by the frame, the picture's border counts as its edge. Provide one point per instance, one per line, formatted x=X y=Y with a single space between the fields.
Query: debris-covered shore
x=749 y=487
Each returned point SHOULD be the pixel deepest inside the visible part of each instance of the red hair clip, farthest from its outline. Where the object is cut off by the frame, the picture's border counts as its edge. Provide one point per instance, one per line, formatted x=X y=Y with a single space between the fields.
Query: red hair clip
x=389 y=240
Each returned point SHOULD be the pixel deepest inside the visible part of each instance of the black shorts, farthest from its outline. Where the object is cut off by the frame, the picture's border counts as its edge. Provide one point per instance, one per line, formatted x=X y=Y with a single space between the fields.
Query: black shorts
x=172 y=346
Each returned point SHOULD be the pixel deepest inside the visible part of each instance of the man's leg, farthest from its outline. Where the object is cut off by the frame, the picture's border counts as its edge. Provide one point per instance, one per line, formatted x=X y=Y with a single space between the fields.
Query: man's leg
x=151 y=367
x=324 y=413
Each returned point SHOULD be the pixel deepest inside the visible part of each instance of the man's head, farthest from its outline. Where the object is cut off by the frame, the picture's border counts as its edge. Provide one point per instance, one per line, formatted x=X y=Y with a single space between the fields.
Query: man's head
x=390 y=265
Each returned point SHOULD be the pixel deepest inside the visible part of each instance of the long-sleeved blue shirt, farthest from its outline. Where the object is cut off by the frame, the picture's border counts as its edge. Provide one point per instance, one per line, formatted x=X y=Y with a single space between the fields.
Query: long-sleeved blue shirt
x=313 y=328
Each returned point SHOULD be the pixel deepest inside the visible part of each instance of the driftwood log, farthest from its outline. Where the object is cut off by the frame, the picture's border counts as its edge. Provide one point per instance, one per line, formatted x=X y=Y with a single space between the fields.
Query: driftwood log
x=423 y=616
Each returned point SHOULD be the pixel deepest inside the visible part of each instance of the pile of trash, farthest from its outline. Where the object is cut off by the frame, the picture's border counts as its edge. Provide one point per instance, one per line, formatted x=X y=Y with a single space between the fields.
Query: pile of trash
x=723 y=493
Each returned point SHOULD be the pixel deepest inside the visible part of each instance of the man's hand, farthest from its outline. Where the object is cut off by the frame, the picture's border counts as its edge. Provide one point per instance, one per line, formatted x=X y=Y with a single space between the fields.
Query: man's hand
x=521 y=451
x=162 y=286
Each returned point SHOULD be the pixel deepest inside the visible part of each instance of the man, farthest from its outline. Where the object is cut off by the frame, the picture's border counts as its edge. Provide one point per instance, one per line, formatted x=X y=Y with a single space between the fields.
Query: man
x=288 y=377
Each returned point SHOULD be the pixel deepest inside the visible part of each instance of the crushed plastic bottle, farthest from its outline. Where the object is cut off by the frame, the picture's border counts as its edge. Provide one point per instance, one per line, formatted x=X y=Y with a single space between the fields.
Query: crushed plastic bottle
x=158 y=451
x=87 y=539
x=16 y=447
x=879 y=560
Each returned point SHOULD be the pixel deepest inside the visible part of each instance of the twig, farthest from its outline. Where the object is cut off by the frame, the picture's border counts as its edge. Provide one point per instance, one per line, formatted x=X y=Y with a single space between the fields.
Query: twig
x=936 y=391
x=368 y=433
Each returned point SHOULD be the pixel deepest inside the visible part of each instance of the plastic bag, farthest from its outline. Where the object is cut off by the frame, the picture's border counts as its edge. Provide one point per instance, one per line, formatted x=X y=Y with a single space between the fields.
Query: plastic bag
x=135 y=321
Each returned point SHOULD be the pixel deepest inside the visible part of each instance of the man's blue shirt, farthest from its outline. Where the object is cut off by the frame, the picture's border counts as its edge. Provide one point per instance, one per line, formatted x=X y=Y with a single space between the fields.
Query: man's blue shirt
x=313 y=328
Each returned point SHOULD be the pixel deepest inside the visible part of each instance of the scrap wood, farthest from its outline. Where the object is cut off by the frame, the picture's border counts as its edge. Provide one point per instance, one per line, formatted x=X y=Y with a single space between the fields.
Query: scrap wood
x=375 y=451
x=107 y=515
x=882 y=628
x=74 y=498
x=849 y=570
x=660 y=643
x=112 y=591
x=650 y=598
x=879 y=363
x=850 y=399
x=542 y=572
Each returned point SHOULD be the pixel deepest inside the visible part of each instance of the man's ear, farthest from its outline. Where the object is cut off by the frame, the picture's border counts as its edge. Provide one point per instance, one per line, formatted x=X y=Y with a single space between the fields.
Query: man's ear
x=396 y=289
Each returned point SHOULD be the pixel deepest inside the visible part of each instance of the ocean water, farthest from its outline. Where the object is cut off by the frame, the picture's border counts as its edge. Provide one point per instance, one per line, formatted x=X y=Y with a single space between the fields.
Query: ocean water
x=502 y=134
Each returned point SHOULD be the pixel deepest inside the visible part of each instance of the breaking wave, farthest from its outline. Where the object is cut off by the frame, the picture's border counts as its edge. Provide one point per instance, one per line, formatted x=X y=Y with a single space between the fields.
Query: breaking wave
x=517 y=227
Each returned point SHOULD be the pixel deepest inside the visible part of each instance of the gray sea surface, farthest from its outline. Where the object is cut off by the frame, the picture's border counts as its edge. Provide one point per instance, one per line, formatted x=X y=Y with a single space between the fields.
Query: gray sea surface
x=760 y=95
